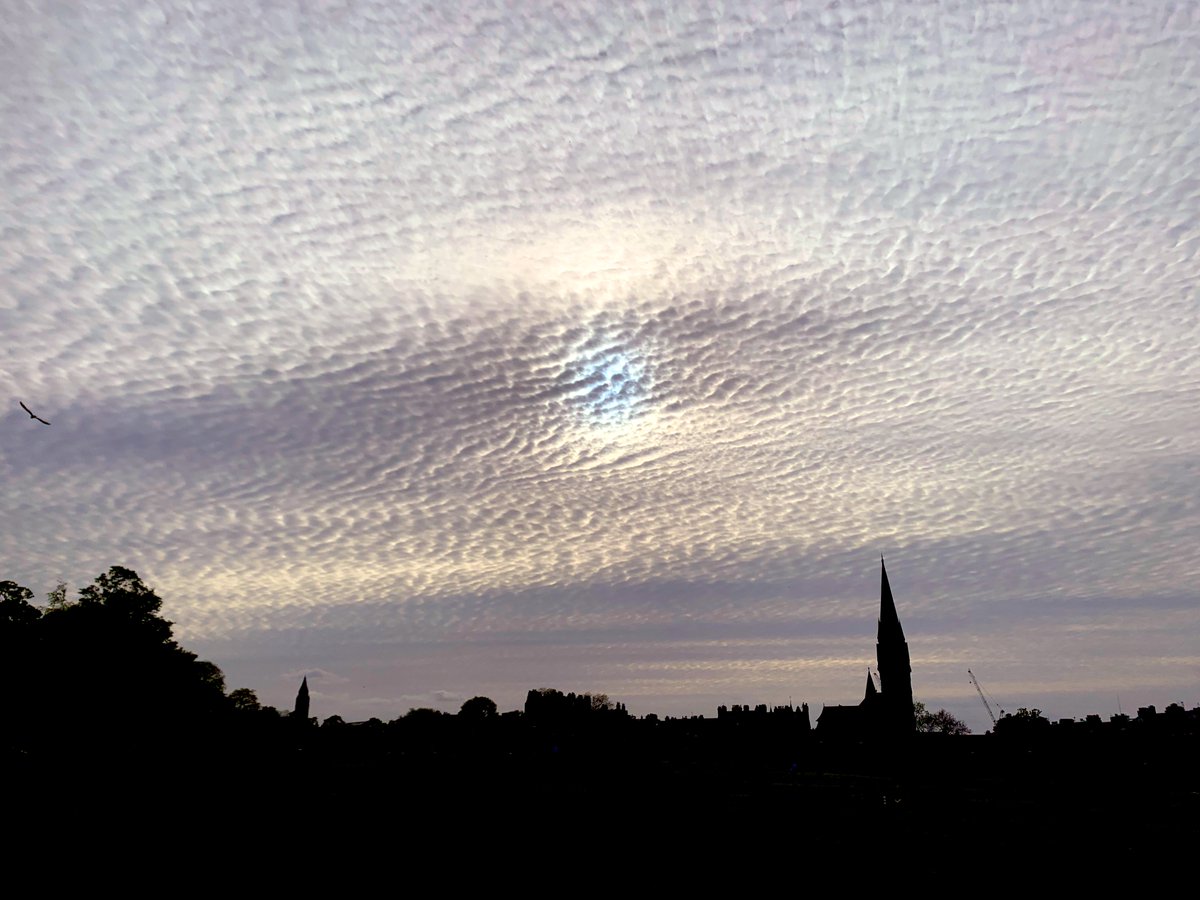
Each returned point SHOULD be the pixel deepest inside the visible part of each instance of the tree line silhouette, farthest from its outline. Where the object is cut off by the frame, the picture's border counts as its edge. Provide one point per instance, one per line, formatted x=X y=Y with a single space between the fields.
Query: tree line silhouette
x=102 y=667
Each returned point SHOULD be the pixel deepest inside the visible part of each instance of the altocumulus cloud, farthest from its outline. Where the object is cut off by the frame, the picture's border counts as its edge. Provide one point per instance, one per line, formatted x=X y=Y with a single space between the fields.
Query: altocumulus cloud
x=483 y=349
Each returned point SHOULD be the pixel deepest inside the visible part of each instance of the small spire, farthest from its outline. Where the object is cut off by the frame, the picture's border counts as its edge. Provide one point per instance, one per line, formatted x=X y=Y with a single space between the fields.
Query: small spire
x=301 y=708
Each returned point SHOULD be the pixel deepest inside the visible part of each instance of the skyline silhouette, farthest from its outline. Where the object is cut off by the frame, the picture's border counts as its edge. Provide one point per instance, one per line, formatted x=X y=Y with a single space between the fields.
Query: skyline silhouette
x=879 y=716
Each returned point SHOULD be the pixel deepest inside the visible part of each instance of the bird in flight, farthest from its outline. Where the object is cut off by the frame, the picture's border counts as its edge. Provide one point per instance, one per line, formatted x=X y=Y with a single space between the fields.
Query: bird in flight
x=31 y=415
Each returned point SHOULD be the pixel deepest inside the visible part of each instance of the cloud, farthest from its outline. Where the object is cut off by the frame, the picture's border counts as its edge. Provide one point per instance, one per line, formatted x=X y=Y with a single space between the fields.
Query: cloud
x=589 y=323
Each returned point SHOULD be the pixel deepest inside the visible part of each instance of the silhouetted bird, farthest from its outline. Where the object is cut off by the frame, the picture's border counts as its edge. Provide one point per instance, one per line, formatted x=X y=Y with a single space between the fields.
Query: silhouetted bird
x=31 y=415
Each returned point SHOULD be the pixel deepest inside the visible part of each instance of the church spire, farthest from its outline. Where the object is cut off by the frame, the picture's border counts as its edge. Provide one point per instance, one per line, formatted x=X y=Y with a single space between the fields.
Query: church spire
x=871 y=692
x=889 y=621
x=895 y=669
x=301 y=710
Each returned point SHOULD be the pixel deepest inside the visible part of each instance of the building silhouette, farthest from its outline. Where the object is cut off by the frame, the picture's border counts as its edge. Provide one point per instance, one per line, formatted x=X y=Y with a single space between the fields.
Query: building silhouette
x=895 y=669
x=888 y=710
x=301 y=710
x=794 y=716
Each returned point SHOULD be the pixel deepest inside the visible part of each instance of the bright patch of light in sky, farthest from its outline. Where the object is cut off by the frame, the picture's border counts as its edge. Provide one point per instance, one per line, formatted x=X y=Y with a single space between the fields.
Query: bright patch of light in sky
x=609 y=384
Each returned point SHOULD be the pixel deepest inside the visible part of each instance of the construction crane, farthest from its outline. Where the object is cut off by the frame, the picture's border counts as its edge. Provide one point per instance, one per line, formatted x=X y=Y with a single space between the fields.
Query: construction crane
x=986 y=705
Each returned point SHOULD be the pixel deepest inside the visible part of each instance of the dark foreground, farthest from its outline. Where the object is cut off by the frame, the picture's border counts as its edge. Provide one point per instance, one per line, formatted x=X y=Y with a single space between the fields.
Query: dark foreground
x=648 y=791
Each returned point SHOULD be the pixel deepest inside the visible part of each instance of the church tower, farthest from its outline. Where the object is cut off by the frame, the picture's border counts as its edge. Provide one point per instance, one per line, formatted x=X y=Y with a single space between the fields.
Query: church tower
x=895 y=670
x=301 y=711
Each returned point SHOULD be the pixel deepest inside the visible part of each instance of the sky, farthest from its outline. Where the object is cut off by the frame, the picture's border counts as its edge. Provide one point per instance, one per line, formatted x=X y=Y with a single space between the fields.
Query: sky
x=441 y=350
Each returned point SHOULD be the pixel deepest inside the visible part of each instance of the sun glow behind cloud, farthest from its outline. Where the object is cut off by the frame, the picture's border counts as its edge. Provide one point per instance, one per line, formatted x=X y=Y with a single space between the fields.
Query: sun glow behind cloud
x=609 y=385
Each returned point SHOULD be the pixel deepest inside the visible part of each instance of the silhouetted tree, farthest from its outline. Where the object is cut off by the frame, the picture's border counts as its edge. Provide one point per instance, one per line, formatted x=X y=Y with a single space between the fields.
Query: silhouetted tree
x=244 y=700
x=122 y=593
x=940 y=722
x=15 y=609
x=109 y=673
x=57 y=598
x=478 y=708
x=20 y=653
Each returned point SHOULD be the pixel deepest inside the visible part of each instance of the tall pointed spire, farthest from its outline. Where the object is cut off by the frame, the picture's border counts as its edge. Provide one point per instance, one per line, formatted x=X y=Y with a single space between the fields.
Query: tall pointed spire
x=891 y=653
x=889 y=621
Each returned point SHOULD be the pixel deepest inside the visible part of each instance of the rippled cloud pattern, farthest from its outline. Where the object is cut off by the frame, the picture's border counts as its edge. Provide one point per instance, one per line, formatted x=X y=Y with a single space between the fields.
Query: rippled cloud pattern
x=439 y=351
